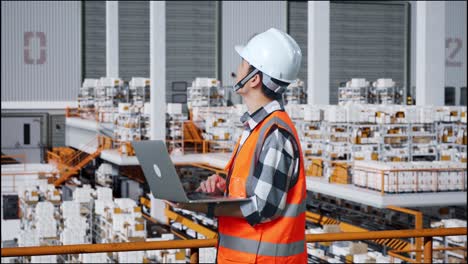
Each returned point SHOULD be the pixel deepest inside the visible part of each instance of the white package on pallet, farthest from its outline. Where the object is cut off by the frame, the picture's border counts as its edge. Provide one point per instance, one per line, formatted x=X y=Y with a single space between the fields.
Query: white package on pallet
x=45 y=209
x=295 y=111
x=411 y=176
x=207 y=255
x=313 y=113
x=71 y=237
x=381 y=83
x=426 y=114
x=104 y=193
x=334 y=113
x=83 y=194
x=44 y=259
x=362 y=258
x=340 y=248
x=205 y=82
x=28 y=238
x=357 y=82
x=78 y=222
x=70 y=209
x=103 y=207
x=125 y=203
x=130 y=256
x=450 y=223
x=463 y=114
x=46 y=227
x=94 y=258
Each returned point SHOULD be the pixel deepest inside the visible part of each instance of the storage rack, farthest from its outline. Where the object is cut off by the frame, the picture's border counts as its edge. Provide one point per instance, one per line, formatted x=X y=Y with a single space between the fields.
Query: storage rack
x=139 y=91
x=388 y=95
x=423 y=142
x=295 y=93
x=175 y=135
x=359 y=95
x=86 y=97
x=396 y=142
x=205 y=92
x=447 y=141
x=109 y=94
x=312 y=147
x=337 y=155
x=220 y=125
x=127 y=129
x=382 y=91
x=365 y=141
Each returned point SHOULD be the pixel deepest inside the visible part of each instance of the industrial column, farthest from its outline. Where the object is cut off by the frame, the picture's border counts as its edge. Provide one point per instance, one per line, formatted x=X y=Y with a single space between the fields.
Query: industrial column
x=158 y=86
x=112 y=39
x=158 y=69
x=318 y=76
x=430 y=52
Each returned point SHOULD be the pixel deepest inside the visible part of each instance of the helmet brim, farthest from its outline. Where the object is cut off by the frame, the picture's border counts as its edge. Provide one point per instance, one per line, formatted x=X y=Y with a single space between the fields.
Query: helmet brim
x=239 y=49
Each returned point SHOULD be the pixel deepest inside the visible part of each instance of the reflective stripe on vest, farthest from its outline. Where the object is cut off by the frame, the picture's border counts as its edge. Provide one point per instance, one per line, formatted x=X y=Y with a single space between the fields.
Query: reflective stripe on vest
x=264 y=248
x=292 y=210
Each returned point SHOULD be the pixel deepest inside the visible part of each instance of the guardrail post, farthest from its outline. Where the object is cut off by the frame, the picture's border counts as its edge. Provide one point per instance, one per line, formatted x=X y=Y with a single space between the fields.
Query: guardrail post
x=194 y=255
x=419 y=226
x=418 y=220
x=427 y=249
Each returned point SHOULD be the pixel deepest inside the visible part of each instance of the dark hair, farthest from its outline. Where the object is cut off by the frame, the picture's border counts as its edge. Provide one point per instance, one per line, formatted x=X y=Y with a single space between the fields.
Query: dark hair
x=266 y=91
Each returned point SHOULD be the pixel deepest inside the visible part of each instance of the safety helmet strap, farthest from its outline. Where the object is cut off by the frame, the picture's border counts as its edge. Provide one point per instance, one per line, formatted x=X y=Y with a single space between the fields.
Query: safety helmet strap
x=244 y=80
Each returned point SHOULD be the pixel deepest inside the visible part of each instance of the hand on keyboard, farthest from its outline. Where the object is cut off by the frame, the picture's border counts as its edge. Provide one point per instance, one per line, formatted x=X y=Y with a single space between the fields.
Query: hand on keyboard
x=215 y=184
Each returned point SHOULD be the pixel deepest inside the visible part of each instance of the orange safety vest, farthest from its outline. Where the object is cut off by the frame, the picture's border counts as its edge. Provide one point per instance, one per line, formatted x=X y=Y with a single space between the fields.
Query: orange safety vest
x=278 y=241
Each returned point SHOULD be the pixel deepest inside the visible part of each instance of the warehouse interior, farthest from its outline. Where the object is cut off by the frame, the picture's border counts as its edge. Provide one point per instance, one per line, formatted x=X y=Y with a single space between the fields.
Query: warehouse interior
x=379 y=105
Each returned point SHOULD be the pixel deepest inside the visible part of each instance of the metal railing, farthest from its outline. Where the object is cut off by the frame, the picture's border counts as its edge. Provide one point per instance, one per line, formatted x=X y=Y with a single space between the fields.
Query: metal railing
x=418 y=221
x=195 y=244
x=22 y=170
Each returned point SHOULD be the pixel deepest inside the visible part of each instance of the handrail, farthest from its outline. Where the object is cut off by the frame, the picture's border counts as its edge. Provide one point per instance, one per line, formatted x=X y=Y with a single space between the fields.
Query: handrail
x=202 y=243
x=22 y=156
x=418 y=221
x=68 y=161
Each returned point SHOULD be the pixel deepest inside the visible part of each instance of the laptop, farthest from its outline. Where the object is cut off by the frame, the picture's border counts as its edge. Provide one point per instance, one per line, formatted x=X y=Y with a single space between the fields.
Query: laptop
x=162 y=178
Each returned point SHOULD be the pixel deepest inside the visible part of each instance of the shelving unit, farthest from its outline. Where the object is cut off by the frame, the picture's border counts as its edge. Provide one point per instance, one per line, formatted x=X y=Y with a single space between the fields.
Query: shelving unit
x=337 y=155
x=86 y=97
x=139 y=91
x=423 y=142
x=108 y=96
x=175 y=136
x=205 y=92
x=295 y=94
x=127 y=129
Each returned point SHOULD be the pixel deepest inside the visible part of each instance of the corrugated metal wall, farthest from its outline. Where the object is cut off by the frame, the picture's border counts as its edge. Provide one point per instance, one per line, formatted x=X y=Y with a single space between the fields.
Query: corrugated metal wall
x=297 y=28
x=240 y=21
x=44 y=65
x=94 y=39
x=455 y=50
x=134 y=52
x=56 y=131
x=366 y=41
x=190 y=42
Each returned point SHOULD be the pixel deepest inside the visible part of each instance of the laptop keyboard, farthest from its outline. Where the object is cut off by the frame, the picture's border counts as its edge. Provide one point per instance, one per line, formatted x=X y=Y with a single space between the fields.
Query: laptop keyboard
x=203 y=196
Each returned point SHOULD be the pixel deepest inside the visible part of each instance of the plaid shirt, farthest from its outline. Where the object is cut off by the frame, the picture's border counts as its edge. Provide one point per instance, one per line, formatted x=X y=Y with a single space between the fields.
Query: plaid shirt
x=276 y=172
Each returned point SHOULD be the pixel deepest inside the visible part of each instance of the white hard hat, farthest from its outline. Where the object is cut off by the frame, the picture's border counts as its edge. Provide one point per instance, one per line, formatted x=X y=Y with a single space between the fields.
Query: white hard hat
x=274 y=53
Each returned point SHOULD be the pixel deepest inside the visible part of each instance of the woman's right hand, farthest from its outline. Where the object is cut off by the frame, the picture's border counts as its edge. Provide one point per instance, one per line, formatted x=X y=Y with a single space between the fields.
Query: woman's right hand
x=213 y=184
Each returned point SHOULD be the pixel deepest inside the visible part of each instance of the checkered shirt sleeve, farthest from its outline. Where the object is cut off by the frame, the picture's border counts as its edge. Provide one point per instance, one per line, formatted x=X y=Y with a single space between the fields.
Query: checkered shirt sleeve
x=276 y=172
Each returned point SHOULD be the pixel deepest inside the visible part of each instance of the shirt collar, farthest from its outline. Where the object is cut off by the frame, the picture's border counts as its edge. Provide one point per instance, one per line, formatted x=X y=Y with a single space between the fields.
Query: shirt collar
x=250 y=121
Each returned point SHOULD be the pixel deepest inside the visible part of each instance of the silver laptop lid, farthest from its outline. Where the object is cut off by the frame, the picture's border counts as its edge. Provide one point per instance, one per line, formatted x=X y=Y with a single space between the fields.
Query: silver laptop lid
x=159 y=170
